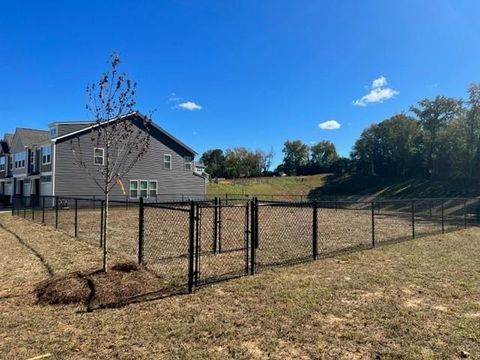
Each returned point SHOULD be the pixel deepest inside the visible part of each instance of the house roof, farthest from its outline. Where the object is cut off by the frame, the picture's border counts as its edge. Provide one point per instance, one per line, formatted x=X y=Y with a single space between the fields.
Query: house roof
x=8 y=138
x=132 y=114
x=32 y=136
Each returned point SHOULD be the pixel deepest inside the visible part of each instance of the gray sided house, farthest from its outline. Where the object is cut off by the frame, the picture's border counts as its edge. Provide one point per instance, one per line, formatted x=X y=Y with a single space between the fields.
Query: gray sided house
x=41 y=163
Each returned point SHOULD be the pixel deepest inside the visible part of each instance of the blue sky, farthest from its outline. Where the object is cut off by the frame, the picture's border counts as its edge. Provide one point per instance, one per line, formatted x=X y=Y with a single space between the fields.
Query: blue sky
x=261 y=71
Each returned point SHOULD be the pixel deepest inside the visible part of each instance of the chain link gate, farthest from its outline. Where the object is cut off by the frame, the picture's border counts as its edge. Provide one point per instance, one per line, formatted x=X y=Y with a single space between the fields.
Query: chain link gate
x=222 y=241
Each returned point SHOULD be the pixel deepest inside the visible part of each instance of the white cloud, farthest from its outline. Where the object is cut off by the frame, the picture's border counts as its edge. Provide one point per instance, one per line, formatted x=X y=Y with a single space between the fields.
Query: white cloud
x=381 y=81
x=190 y=106
x=378 y=93
x=329 y=125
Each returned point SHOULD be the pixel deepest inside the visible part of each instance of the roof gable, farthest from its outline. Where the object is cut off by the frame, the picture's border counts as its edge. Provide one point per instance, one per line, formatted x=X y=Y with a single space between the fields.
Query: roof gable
x=156 y=130
x=27 y=137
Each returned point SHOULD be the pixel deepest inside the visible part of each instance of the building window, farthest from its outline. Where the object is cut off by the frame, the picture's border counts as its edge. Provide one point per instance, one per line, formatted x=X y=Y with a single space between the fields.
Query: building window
x=46 y=154
x=2 y=163
x=53 y=132
x=188 y=163
x=20 y=160
x=134 y=189
x=152 y=188
x=99 y=156
x=167 y=161
x=144 y=188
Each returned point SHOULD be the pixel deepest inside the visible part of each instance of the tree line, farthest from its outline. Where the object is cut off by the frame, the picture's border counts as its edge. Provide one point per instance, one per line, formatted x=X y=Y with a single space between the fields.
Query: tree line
x=437 y=138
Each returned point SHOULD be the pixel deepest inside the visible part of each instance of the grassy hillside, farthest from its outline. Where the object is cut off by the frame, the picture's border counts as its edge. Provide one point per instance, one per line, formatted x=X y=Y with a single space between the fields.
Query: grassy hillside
x=291 y=185
x=355 y=187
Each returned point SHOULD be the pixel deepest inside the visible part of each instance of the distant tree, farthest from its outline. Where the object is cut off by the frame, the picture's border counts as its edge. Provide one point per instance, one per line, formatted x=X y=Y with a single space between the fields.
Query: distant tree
x=267 y=159
x=214 y=161
x=472 y=129
x=434 y=115
x=322 y=155
x=363 y=152
x=295 y=156
x=122 y=141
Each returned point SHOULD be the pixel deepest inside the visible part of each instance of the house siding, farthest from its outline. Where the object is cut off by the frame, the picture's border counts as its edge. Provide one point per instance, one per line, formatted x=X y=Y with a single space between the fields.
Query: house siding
x=63 y=129
x=72 y=180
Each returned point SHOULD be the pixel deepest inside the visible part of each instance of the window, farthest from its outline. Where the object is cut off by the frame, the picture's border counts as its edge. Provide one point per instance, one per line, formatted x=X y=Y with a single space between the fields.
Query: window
x=144 y=188
x=134 y=189
x=152 y=188
x=53 y=132
x=99 y=156
x=46 y=154
x=2 y=163
x=167 y=161
x=188 y=163
x=10 y=163
x=20 y=160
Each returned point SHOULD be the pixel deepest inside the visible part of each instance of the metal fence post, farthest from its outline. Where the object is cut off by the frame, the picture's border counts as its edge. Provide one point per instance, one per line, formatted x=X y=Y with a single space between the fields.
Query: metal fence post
x=56 y=212
x=248 y=235
x=32 y=204
x=255 y=199
x=413 y=219
x=13 y=205
x=197 y=243
x=219 y=231
x=191 y=246
x=76 y=218
x=253 y=242
x=443 y=219
x=215 y=224
x=315 y=231
x=141 y=231
x=373 y=224
x=43 y=209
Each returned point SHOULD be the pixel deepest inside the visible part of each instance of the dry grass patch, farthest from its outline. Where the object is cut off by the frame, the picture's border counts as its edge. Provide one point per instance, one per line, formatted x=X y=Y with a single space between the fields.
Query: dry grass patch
x=357 y=306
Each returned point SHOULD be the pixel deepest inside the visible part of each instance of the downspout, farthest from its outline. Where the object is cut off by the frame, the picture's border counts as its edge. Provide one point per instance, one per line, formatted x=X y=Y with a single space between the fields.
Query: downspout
x=54 y=165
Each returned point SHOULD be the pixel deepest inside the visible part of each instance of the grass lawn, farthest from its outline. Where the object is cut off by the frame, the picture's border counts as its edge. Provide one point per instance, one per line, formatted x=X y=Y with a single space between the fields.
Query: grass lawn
x=417 y=299
x=289 y=185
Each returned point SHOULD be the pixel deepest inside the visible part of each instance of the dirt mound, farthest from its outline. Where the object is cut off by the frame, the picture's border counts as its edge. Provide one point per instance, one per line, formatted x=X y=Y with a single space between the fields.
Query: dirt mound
x=98 y=288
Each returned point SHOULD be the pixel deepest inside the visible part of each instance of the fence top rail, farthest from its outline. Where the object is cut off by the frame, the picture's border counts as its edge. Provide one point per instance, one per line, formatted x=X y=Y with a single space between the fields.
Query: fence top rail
x=166 y=207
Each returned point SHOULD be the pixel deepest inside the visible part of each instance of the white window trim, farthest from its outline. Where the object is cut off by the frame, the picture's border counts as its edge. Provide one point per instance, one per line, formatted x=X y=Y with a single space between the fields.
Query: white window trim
x=156 y=187
x=188 y=160
x=46 y=156
x=21 y=161
x=3 y=163
x=94 y=156
x=165 y=156
x=130 y=187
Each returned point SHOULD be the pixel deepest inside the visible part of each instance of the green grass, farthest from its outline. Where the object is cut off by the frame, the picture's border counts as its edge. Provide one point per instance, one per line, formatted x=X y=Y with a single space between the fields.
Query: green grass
x=288 y=185
x=355 y=187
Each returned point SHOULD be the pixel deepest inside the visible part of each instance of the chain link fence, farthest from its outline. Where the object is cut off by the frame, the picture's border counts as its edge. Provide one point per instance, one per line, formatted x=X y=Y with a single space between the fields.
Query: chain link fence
x=192 y=243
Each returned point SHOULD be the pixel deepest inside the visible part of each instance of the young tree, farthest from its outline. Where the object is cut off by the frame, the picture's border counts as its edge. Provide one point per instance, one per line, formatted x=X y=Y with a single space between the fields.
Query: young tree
x=118 y=135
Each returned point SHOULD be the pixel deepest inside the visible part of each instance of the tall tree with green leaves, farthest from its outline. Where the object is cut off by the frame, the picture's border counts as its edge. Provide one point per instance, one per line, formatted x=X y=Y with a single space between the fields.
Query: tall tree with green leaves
x=472 y=128
x=323 y=154
x=434 y=115
x=295 y=156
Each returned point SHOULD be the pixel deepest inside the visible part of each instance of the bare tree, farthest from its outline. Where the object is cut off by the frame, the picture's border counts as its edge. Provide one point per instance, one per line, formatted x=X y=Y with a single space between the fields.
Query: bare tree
x=119 y=136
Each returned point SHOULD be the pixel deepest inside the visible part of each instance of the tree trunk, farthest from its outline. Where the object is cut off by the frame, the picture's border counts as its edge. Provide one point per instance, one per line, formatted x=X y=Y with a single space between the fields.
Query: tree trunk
x=105 y=233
